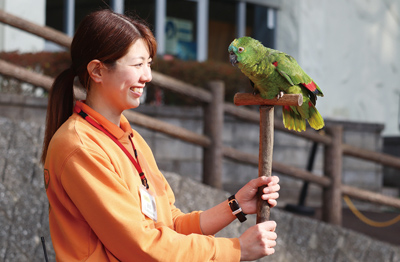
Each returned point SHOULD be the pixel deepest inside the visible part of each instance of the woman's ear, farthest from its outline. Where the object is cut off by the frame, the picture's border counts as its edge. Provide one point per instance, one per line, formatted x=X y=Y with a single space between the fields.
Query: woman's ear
x=94 y=69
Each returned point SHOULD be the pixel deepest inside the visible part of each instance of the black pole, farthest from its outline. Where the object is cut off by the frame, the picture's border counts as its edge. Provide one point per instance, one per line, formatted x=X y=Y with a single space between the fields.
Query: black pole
x=44 y=250
x=310 y=165
x=300 y=207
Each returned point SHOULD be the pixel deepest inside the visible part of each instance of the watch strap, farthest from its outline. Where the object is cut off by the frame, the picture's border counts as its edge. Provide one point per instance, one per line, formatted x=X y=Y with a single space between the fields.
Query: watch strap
x=236 y=209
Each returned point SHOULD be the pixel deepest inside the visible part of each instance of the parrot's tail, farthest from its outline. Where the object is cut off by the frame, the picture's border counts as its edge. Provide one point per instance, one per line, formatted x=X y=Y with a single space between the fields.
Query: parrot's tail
x=315 y=120
x=293 y=119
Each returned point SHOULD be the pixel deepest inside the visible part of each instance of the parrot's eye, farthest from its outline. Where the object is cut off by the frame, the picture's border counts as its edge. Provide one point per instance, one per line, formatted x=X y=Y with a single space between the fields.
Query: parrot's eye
x=241 y=49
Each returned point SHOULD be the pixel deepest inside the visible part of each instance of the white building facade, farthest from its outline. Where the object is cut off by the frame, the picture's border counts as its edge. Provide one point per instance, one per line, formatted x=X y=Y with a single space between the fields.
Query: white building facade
x=12 y=39
x=352 y=50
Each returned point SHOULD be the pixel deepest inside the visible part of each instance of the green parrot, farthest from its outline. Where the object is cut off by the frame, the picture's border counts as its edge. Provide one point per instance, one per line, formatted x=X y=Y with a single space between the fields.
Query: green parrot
x=274 y=73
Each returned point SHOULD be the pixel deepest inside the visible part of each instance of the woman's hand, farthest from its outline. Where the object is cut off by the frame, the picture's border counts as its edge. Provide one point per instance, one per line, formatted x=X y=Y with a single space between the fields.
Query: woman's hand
x=218 y=217
x=258 y=241
x=247 y=195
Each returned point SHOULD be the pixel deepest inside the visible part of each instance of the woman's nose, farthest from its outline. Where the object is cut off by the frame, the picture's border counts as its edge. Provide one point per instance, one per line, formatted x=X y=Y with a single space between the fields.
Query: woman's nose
x=146 y=76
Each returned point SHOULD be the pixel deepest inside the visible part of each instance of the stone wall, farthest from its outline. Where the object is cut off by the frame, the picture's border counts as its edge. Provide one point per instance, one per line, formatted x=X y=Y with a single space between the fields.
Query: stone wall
x=23 y=203
x=23 y=211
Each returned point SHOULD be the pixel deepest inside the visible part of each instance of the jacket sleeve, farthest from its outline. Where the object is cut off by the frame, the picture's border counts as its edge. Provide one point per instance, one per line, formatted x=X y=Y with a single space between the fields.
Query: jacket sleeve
x=113 y=212
x=184 y=223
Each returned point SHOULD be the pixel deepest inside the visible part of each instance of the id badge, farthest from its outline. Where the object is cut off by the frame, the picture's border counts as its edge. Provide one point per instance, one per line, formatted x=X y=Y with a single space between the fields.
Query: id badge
x=149 y=207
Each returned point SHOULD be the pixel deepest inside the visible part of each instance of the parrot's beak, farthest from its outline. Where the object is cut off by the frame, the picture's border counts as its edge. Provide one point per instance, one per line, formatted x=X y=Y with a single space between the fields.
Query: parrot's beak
x=233 y=58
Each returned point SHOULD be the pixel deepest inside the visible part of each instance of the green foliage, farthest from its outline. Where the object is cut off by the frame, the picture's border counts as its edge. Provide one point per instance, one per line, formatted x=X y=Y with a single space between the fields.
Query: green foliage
x=48 y=63
x=198 y=74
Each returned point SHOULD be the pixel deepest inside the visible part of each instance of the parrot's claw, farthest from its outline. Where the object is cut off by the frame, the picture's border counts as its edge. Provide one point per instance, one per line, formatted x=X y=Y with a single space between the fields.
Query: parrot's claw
x=278 y=96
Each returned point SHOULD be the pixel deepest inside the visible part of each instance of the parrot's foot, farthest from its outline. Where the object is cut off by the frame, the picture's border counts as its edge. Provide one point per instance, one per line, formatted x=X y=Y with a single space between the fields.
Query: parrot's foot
x=255 y=91
x=279 y=96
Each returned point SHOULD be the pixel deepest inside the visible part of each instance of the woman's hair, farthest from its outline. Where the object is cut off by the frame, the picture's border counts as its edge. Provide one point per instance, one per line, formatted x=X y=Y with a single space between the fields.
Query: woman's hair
x=102 y=35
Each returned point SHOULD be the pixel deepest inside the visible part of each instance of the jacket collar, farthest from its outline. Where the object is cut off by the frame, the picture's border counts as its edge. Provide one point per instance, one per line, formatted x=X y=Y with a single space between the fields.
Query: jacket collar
x=117 y=131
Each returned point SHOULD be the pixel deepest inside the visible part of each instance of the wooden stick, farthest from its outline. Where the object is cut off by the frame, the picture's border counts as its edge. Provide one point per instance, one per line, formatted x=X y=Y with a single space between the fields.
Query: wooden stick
x=242 y=99
x=266 y=137
x=265 y=157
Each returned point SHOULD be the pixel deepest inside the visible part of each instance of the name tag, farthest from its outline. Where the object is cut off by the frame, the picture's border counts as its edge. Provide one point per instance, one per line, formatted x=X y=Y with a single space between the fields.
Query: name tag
x=149 y=207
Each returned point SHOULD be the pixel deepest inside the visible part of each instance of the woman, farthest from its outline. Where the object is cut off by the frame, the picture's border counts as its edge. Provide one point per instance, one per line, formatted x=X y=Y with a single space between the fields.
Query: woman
x=107 y=199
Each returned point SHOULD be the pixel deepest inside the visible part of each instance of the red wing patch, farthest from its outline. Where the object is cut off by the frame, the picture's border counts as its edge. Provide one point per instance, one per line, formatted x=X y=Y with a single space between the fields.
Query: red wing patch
x=46 y=178
x=287 y=108
x=310 y=86
x=275 y=64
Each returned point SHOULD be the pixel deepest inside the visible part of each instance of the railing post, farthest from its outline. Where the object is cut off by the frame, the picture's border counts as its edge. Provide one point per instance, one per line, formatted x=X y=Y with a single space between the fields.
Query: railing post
x=213 y=127
x=332 y=195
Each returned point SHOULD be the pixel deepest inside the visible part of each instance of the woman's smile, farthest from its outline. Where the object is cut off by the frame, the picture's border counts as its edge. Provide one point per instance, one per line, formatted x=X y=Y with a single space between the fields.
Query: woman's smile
x=137 y=91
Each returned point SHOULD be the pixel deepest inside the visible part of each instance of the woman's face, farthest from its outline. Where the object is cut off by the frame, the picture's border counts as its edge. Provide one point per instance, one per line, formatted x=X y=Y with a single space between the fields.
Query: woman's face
x=123 y=85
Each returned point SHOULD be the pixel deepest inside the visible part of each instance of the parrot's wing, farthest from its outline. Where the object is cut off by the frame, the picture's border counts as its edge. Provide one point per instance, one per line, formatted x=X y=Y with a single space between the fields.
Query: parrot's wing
x=288 y=68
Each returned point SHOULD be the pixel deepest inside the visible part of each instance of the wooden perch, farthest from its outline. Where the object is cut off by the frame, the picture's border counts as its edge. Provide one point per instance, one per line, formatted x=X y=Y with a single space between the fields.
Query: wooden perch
x=243 y=99
x=266 y=138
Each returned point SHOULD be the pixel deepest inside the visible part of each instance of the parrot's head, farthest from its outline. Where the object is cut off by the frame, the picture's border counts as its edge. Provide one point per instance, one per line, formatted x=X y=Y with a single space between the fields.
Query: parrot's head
x=242 y=50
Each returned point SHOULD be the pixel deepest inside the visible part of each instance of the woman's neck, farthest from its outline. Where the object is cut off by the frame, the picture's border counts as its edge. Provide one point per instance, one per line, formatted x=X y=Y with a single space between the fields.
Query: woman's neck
x=104 y=110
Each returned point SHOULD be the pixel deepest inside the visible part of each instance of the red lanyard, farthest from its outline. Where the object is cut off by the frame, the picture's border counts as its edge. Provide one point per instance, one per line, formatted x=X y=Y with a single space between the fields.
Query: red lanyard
x=134 y=162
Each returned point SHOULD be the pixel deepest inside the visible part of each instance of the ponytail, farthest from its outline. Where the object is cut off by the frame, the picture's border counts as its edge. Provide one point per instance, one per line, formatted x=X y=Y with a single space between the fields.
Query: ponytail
x=60 y=106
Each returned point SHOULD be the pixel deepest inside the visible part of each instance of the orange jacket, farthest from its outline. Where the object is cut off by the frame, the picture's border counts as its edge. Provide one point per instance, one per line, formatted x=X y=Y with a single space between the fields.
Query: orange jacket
x=94 y=202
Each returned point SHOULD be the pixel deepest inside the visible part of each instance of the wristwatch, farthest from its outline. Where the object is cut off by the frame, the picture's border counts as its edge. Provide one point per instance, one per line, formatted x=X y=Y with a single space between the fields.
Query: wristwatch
x=236 y=209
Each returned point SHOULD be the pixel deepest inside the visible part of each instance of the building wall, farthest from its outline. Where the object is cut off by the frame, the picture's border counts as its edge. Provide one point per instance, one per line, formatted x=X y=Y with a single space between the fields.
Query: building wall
x=351 y=49
x=12 y=39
